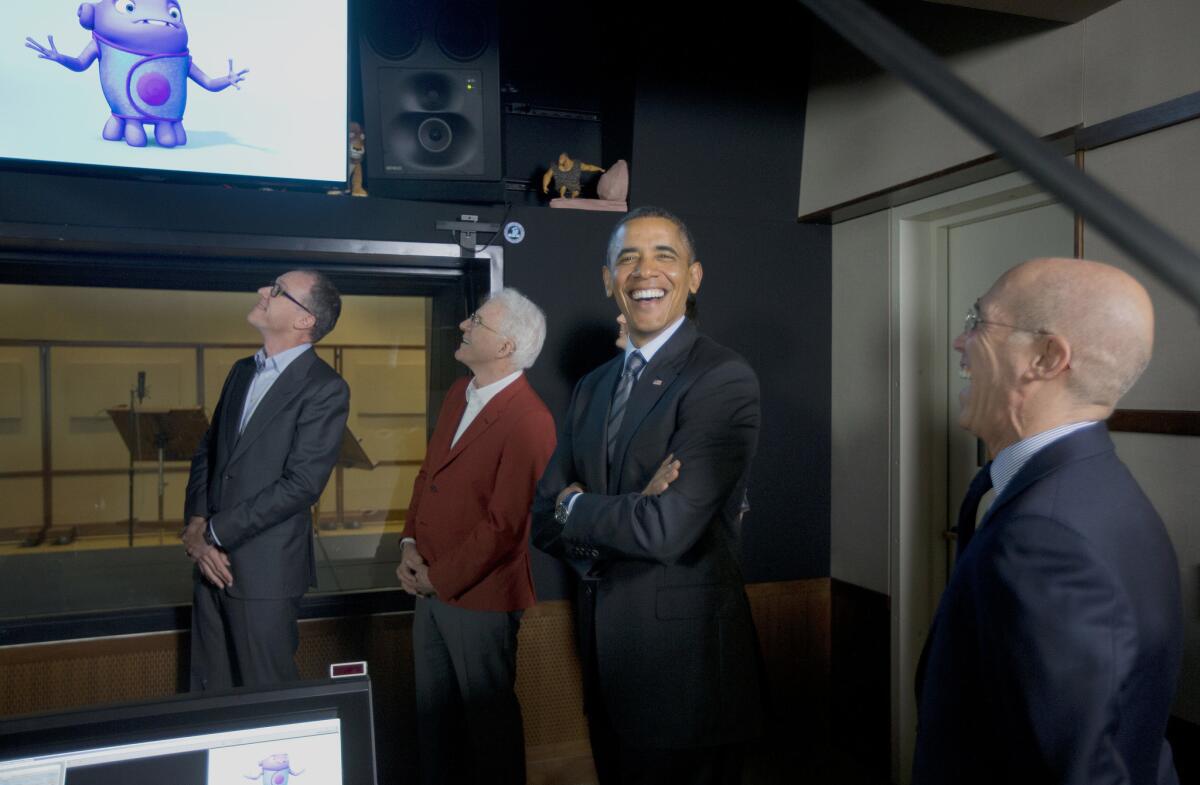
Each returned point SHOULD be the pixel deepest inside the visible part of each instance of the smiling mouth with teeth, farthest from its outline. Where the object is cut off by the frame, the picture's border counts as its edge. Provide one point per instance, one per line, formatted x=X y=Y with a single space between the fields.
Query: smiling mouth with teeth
x=160 y=22
x=647 y=294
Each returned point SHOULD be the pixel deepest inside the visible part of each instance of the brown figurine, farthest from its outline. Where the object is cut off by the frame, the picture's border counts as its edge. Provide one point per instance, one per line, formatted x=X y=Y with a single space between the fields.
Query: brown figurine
x=566 y=174
x=354 y=176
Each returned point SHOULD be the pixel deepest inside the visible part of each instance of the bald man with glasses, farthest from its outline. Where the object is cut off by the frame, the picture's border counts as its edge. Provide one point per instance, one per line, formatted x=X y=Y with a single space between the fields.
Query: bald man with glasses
x=1056 y=647
x=272 y=443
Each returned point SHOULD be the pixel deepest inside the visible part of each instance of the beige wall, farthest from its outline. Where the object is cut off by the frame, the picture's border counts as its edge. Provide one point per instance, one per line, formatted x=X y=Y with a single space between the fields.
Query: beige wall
x=871 y=135
x=1157 y=173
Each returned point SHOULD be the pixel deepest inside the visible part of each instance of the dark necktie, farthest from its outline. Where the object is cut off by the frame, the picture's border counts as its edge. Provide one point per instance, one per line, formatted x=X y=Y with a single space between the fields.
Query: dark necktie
x=621 y=397
x=970 y=506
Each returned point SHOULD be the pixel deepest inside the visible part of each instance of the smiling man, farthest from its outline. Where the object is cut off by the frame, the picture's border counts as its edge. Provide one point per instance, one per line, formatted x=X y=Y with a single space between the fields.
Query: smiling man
x=465 y=553
x=1056 y=647
x=263 y=463
x=668 y=647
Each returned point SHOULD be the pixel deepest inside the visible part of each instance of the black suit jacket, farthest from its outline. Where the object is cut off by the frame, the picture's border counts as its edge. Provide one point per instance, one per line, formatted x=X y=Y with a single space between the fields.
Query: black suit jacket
x=1057 y=644
x=257 y=489
x=676 y=648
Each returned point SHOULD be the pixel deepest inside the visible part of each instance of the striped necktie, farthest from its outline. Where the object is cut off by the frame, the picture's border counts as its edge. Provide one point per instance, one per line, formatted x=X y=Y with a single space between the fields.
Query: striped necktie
x=621 y=397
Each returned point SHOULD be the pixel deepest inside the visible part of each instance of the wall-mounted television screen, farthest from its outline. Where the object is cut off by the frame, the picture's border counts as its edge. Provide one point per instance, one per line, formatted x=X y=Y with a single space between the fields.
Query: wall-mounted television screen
x=230 y=88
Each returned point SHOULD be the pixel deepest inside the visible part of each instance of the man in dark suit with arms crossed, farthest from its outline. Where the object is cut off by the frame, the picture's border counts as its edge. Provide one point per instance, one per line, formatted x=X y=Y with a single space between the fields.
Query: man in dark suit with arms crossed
x=263 y=463
x=1056 y=647
x=669 y=652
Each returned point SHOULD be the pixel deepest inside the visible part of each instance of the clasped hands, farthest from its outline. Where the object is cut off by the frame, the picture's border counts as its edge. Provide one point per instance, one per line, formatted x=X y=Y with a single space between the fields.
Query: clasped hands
x=212 y=561
x=413 y=572
x=667 y=473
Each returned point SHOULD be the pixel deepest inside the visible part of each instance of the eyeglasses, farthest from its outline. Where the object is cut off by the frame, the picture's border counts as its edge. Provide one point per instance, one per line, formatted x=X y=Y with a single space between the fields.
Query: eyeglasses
x=478 y=322
x=277 y=289
x=973 y=320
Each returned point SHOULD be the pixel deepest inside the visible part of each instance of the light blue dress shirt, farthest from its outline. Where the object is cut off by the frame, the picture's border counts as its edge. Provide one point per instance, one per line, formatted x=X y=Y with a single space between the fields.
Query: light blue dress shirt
x=268 y=369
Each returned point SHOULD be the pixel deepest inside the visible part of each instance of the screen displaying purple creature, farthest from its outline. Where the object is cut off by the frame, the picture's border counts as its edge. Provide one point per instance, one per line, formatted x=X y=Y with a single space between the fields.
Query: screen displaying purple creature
x=274 y=770
x=142 y=46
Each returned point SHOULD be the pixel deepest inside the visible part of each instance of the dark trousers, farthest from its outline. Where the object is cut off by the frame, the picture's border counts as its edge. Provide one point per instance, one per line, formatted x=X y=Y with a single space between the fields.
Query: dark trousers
x=242 y=643
x=618 y=762
x=468 y=719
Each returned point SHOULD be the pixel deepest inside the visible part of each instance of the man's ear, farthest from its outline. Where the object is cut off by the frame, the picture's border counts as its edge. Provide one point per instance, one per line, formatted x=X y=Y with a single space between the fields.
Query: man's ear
x=695 y=274
x=606 y=274
x=1054 y=359
x=305 y=322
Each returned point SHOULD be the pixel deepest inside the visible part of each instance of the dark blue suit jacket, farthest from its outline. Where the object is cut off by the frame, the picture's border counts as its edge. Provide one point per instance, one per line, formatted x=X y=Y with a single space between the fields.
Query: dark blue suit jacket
x=1056 y=647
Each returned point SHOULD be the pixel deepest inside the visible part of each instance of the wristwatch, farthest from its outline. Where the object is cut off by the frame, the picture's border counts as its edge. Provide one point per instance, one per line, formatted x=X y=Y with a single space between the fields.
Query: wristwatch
x=563 y=508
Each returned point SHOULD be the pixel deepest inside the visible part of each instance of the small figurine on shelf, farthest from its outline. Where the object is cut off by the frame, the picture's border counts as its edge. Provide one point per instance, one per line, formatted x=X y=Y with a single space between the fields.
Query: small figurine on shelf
x=612 y=191
x=566 y=174
x=354 y=169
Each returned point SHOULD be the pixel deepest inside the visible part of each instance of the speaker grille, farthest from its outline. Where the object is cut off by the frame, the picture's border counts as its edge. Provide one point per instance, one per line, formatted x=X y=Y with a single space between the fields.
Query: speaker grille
x=462 y=31
x=393 y=27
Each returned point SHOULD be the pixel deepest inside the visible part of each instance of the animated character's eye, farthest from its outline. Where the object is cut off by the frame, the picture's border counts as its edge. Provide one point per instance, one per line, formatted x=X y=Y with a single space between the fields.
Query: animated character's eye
x=124 y=6
x=174 y=13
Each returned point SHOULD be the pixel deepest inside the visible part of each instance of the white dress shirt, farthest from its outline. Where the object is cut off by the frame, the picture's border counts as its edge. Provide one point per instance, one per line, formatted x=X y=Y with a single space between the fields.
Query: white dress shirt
x=477 y=398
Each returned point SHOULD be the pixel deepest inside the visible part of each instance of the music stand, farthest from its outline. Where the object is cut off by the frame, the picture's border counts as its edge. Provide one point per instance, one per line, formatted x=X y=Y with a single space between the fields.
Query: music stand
x=158 y=434
x=351 y=455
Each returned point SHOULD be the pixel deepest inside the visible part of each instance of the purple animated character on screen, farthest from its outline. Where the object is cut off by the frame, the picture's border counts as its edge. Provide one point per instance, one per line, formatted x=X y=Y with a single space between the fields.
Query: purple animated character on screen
x=274 y=770
x=142 y=46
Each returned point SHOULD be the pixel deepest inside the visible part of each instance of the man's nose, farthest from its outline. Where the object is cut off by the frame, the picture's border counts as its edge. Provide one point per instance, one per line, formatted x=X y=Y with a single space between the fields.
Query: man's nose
x=644 y=268
x=960 y=343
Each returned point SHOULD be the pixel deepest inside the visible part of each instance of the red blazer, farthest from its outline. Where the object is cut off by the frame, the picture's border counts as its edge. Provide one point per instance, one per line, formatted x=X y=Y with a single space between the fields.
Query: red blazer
x=470 y=505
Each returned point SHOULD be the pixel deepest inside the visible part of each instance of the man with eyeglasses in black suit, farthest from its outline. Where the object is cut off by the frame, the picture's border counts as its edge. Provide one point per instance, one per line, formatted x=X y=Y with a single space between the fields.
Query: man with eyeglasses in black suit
x=272 y=443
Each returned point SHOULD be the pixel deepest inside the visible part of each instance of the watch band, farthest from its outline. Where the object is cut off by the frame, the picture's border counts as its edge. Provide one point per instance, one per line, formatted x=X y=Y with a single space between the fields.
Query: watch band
x=563 y=508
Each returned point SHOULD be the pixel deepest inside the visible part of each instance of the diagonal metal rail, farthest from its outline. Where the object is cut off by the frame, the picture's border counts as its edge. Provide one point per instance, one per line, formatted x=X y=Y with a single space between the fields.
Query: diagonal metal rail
x=1144 y=240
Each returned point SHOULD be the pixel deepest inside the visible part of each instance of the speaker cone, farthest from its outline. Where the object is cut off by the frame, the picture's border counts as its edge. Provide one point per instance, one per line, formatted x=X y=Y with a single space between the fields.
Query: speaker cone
x=435 y=135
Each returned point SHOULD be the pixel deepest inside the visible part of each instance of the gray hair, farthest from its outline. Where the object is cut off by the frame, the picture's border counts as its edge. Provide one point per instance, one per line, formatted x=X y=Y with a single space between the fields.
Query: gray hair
x=614 y=244
x=325 y=303
x=523 y=323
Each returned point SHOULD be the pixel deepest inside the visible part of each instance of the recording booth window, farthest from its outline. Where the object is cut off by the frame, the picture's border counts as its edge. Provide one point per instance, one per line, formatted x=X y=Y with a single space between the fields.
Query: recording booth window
x=104 y=393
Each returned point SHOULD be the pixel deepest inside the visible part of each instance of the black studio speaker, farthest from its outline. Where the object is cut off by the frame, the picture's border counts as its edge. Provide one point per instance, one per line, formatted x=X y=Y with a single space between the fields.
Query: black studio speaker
x=431 y=99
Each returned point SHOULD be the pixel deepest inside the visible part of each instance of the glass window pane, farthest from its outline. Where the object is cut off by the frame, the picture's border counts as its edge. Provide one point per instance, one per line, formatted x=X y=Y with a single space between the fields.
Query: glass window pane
x=68 y=536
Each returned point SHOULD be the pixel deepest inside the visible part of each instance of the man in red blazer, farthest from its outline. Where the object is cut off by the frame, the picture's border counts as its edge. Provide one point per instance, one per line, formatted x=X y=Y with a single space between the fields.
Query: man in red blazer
x=464 y=550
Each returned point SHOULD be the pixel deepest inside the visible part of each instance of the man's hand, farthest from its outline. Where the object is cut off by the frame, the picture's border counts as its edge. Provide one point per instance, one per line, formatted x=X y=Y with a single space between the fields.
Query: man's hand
x=570 y=489
x=413 y=572
x=421 y=582
x=212 y=561
x=668 y=472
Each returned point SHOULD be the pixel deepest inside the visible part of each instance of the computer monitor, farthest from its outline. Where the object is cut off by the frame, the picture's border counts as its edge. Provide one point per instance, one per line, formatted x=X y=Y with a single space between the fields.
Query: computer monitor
x=308 y=733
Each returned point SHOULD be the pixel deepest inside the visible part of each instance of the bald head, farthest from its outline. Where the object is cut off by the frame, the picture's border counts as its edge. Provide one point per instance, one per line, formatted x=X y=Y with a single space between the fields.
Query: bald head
x=1103 y=313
